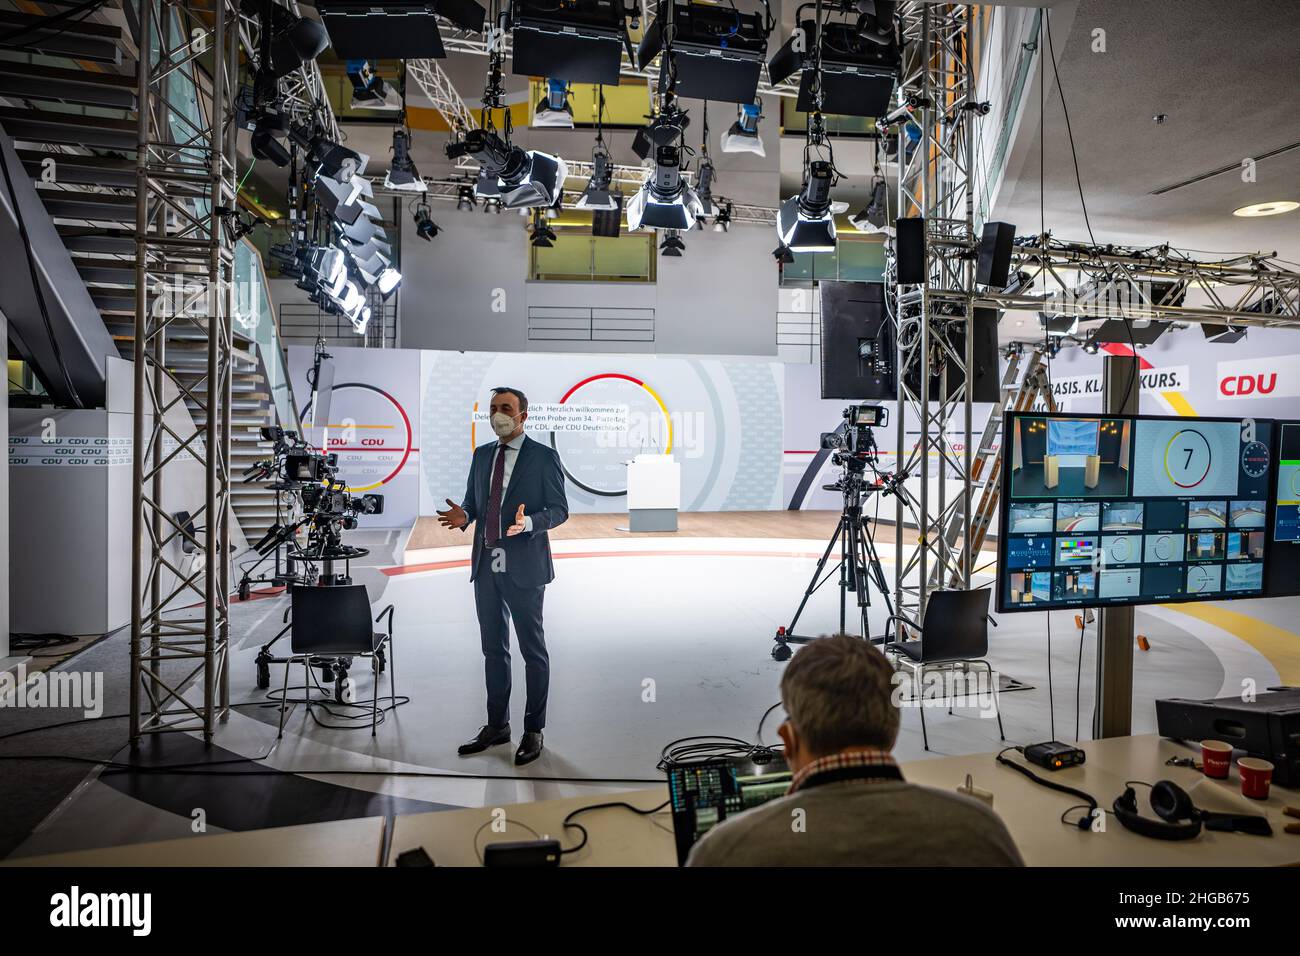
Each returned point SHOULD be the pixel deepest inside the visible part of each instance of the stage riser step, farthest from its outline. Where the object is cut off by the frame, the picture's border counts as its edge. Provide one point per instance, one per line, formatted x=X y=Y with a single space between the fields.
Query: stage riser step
x=36 y=126
x=70 y=169
x=69 y=205
x=74 y=93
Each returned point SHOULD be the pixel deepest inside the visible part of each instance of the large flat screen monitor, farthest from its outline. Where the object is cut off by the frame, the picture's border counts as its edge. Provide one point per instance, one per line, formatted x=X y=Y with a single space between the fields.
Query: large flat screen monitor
x=1281 y=537
x=1123 y=509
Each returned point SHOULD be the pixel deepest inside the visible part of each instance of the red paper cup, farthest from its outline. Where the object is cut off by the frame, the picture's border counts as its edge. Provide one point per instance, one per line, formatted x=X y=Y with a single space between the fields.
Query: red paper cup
x=1216 y=758
x=1256 y=776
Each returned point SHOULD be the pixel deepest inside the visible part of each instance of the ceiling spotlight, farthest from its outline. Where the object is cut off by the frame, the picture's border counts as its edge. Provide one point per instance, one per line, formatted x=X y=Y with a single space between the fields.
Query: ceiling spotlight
x=806 y=223
x=597 y=195
x=492 y=204
x=1058 y=325
x=876 y=21
x=543 y=236
x=346 y=202
x=783 y=255
x=360 y=320
x=388 y=280
x=328 y=158
x=290 y=40
x=1274 y=208
x=1223 y=334
x=270 y=126
x=743 y=136
x=522 y=178
x=553 y=110
x=425 y=227
x=722 y=221
x=873 y=218
x=369 y=91
x=705 y=188
x=326 y=269
x=672 y=244
x=466 y=200
x=403 y=175
x=664 y=200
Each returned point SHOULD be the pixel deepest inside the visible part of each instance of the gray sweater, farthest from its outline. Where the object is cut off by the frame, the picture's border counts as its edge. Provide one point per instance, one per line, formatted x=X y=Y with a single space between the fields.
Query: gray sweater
x=854 y=823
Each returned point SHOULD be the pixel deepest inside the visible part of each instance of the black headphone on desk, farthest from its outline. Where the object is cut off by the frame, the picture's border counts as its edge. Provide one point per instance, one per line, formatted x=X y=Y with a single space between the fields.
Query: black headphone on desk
x=1171 y=804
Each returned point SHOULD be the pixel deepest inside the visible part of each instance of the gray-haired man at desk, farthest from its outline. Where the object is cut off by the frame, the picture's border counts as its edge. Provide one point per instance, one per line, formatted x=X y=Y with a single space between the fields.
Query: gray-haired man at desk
x=848 y=802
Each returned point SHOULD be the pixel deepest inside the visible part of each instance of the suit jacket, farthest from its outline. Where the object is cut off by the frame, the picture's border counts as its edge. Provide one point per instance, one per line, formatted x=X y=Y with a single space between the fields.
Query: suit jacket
x=536 y=482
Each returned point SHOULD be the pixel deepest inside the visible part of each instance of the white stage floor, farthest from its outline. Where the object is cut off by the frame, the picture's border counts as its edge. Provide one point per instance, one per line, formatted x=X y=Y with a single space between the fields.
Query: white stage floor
x=694 y=616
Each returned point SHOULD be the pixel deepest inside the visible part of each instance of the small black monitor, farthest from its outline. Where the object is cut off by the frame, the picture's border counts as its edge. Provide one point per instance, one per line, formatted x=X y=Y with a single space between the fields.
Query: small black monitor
x=702 y=794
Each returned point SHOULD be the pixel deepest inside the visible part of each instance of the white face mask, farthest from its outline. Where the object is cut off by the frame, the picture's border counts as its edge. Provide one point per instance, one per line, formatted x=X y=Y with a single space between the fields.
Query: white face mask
x=503 y=425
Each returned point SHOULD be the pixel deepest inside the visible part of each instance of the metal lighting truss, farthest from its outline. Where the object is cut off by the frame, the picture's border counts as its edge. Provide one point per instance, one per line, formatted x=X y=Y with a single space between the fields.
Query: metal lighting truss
x=633 y=176
x=302 y=92
x=185 y=175
x=935 y=184
x=1151 y=283
x=433 y=80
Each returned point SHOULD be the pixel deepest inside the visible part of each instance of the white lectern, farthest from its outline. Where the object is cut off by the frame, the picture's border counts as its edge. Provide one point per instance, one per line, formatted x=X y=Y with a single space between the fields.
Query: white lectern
x=654 y=492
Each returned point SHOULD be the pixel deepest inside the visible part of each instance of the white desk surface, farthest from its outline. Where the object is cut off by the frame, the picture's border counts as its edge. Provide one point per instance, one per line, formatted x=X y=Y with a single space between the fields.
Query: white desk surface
x=355 y=842
x=620 y=838
x=1032 y=814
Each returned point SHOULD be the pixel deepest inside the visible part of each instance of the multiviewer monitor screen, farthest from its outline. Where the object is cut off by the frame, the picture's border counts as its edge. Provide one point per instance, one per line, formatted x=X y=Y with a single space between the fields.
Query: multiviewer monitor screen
x=1113 y=509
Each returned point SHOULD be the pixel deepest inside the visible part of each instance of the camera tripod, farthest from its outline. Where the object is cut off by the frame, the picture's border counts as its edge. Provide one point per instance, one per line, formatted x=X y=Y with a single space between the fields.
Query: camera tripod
x=859 y=564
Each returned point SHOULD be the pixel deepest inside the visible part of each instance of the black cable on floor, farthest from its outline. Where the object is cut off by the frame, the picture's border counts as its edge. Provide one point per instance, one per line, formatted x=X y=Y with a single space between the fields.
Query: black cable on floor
x=758 y=736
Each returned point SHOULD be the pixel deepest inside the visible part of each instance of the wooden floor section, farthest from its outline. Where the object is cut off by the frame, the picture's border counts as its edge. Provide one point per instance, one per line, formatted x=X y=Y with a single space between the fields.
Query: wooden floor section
x=694 y=524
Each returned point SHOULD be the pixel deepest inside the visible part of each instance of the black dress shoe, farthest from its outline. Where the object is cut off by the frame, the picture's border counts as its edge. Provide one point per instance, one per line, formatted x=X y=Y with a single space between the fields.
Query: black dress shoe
x=530 y=748
x=485 y=738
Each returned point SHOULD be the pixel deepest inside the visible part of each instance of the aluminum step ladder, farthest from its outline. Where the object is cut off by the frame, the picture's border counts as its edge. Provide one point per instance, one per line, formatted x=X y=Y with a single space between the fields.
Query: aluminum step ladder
x=1019 y=393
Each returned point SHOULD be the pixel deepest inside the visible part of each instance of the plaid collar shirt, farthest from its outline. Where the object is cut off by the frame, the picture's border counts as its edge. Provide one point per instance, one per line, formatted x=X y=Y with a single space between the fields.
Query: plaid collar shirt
x=866 y=759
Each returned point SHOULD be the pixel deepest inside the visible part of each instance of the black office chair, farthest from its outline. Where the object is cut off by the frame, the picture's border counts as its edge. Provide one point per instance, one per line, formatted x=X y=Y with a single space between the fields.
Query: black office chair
x=954 y=634
x=334 y=622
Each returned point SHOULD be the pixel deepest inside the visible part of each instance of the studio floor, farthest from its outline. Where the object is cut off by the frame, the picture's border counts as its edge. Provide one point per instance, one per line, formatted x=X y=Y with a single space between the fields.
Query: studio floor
x=651 y=639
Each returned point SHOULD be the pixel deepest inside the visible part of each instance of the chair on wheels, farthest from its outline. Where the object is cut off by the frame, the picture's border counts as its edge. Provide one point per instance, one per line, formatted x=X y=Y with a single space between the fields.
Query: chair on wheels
x=334 y=622
x=954 y=635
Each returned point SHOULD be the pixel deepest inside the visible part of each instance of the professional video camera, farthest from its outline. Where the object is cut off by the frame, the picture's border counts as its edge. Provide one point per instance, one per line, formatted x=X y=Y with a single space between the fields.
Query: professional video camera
x=854 y=442
x=311 y=498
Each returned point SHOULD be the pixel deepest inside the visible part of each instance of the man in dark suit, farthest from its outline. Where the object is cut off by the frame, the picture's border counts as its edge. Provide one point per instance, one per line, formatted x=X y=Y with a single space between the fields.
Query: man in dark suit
x=515 y=494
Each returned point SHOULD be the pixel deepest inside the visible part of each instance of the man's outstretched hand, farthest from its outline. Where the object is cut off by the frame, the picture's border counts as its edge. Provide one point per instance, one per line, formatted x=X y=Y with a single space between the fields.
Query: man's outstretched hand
x=453 y=517
x=518 y=526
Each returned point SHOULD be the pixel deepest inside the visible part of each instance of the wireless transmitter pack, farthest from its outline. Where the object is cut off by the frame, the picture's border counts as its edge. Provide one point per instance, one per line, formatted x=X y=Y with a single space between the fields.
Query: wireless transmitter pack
x=1054 y=755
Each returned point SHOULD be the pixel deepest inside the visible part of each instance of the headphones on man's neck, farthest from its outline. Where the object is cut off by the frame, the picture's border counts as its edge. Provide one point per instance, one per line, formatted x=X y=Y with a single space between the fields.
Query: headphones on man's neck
x=1171 y=804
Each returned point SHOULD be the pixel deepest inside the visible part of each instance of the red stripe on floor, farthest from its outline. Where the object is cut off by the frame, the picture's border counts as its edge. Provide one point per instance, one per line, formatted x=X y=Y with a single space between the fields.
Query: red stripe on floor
x=464 y=562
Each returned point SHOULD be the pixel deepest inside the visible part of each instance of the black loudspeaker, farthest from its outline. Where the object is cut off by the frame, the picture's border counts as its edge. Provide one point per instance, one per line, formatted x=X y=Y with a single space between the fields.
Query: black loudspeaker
x=986 y=362
x=857 y=346
x=993 y=268
x=606 y=222
x=909 y=245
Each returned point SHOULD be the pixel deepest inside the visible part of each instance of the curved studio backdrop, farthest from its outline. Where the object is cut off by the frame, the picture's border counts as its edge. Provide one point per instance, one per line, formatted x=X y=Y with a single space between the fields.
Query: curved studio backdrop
x=405 y=422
